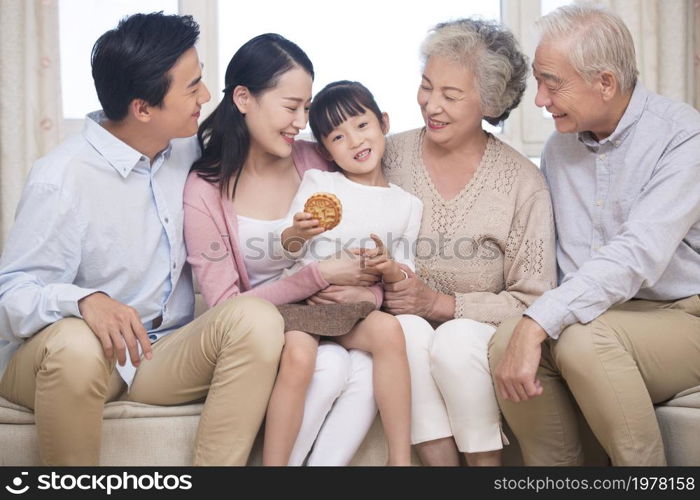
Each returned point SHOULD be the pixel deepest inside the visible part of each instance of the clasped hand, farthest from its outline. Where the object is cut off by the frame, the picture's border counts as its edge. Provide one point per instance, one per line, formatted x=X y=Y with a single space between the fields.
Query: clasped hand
x=409 y=296
x=379 y=259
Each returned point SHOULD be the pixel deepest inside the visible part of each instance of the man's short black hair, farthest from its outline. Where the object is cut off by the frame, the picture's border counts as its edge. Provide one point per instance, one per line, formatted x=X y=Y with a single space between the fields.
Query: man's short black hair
x=132 y=61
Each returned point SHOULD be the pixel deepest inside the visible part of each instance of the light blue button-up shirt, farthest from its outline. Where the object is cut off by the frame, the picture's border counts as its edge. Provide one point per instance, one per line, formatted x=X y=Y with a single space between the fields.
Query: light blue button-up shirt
x=627 y=212
x=95 y=215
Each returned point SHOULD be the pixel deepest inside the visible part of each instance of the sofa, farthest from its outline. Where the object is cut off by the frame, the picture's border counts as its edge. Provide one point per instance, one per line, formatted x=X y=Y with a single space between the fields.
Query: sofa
x=136 y=434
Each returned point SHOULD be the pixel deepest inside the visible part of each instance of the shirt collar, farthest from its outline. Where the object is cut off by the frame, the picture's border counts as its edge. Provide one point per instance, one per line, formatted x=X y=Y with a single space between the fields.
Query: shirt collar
x=631 y=116
x=122 y=157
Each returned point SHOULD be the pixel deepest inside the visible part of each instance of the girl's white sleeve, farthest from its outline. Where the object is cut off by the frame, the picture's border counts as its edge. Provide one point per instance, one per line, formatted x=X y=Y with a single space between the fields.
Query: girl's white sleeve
x=404 y=249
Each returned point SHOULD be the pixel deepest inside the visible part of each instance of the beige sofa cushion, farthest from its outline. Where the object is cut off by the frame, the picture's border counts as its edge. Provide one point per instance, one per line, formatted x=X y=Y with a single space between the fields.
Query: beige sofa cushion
x=686 y=399
x=11 y=413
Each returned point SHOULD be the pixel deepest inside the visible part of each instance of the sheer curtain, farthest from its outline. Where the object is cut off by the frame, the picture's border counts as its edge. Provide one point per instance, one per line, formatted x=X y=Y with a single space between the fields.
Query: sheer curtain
x=30 y=94
x=665 y=35
x=696 y=55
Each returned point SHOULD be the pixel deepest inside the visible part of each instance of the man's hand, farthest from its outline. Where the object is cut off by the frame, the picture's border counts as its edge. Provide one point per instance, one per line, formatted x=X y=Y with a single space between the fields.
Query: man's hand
x=304 y=227
x=516 y=374
x=342 y=295
x=118 y=327
x=409 y=296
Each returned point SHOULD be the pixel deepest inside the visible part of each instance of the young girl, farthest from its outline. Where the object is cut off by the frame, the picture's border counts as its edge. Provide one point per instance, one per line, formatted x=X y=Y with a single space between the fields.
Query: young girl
x=350 y=129
x=235 y=198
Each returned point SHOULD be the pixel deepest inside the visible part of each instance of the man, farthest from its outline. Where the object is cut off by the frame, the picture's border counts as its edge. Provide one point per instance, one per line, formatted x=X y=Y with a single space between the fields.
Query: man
x=622 y=330
x=95 y=267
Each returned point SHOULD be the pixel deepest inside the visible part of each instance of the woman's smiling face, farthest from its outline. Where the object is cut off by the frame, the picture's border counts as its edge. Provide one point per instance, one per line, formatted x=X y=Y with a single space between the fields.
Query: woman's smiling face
x=449 y=101
x=277 y=115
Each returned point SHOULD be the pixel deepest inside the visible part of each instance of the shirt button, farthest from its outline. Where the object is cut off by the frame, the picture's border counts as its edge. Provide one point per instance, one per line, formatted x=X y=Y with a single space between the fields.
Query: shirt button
x=596 y=248
x=617 y=143
x=166 y=220
x=599 y=203
x=602 y=157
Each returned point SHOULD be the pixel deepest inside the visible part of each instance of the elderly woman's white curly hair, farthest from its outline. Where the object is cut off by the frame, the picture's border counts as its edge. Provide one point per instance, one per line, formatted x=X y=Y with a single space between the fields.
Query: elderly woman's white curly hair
x=492 y=53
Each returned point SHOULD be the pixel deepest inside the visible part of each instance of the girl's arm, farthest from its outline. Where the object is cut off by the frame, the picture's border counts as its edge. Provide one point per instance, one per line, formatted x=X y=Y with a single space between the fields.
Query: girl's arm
x=404 y=250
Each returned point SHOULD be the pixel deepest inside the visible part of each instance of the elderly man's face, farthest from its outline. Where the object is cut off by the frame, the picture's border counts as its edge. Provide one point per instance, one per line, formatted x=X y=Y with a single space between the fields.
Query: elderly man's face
x=576 y=106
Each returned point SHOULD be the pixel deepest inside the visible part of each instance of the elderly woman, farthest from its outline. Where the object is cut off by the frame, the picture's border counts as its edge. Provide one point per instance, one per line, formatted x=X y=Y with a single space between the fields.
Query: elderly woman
x=486 y=245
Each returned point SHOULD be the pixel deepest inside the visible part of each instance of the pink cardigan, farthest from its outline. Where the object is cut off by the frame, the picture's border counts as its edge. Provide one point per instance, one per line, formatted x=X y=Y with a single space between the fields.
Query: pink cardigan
x=213 y=250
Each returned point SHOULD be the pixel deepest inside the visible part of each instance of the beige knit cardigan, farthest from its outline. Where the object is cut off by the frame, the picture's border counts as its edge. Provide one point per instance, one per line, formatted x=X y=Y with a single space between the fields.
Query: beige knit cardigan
x=492 y=246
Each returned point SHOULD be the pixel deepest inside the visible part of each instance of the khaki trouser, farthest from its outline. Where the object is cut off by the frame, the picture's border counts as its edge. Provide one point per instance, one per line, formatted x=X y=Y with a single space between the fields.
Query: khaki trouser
x=616 y=367
x=229 y=354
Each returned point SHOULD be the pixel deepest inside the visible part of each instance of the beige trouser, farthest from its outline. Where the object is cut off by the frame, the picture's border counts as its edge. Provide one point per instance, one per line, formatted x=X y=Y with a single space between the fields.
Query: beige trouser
x=616 y=367
x=229 y=354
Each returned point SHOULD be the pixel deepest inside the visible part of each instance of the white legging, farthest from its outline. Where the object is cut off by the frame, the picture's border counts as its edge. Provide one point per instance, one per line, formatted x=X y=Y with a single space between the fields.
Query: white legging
x=451 y=389
x=339 y=407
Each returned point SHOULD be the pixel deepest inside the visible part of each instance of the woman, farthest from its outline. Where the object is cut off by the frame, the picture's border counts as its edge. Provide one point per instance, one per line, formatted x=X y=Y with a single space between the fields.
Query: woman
x=486 y=246
x=236 y=197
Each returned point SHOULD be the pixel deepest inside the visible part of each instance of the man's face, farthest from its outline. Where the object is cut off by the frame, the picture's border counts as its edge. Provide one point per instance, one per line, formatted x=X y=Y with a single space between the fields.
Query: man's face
x=179 y=113
x=576 y=105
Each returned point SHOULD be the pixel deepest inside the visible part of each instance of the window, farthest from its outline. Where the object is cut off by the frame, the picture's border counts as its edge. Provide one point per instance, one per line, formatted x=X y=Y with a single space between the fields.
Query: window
x=370 y=41
x=529 y=127
x=77 y=38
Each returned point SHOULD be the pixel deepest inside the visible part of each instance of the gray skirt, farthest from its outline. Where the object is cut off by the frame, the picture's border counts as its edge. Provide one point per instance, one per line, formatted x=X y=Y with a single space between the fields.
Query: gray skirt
x=328 y=320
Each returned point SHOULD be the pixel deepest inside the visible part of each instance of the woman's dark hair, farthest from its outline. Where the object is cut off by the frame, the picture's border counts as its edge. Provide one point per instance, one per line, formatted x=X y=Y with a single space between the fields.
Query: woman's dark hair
x=132 y=61
x=224 y=136
x=337 y=102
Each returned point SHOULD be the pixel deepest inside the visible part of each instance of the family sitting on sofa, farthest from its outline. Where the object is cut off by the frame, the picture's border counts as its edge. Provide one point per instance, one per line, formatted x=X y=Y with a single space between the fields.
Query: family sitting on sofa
x=431 y=288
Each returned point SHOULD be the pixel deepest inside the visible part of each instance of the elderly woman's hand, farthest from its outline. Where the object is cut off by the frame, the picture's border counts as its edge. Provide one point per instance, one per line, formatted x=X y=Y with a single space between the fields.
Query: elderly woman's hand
x=409 y=296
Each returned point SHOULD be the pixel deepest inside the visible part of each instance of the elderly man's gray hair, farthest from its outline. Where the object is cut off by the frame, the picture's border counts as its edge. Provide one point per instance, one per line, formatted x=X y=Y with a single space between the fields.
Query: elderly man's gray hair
x=596 y=40
x=492 y=53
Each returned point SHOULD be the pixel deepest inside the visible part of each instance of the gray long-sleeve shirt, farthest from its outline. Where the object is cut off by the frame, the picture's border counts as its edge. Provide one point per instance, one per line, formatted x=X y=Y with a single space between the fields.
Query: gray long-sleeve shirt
x=627 y=212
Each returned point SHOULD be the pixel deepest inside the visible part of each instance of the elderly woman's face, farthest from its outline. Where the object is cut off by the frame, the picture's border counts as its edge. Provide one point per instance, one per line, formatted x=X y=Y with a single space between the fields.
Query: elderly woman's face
x=450 y=102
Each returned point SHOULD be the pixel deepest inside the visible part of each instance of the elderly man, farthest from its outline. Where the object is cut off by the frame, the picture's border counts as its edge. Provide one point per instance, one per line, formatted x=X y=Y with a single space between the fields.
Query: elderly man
x=622 y=330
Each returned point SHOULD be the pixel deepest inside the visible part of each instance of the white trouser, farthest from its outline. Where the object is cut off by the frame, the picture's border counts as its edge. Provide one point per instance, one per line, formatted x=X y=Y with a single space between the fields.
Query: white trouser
x=451 y=389
x=344 y=378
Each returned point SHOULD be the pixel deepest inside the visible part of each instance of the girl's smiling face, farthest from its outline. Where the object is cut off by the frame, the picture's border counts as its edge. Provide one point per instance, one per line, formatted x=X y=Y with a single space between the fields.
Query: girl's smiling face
x=357 y=145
